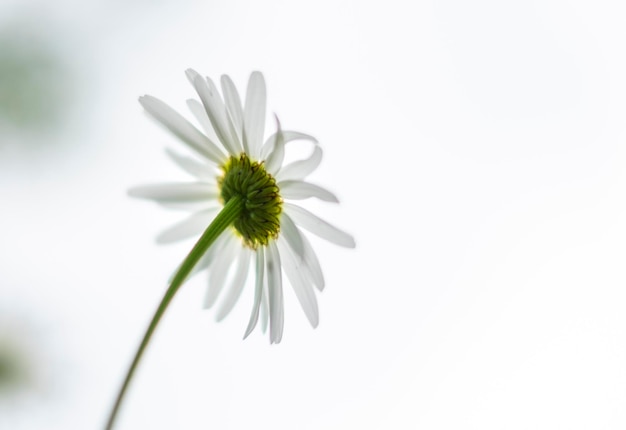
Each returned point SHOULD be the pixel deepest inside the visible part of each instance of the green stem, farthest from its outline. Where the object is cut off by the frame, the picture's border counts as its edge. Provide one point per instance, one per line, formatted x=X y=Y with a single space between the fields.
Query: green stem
x=230 y=212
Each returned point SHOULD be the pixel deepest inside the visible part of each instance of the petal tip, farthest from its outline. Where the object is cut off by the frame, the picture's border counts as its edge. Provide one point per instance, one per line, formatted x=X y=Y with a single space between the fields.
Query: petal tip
x=145 y=100
x=135 y=192
x=256 y=74
x=192 y=75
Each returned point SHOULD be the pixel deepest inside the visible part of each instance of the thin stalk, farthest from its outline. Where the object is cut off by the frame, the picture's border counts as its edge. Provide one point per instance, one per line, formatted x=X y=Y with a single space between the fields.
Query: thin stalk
x=230 y=212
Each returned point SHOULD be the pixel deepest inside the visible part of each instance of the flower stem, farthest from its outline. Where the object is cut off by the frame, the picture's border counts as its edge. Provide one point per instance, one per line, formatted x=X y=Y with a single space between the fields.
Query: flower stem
x=230 y=211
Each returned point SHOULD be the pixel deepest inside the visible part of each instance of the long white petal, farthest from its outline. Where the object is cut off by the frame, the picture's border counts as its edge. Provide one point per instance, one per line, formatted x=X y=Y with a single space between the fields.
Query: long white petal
x=292 y=235
x=301 y=286
x=237 y=284
x=192 y=166
x=254 y=113
x=289 y=136
x=215 y=109
x=233 y=105
x=229 y=132
x=258 y=291
x=233 y=134
x=302 y=168
x=299 y=190
x=274 y=161
x=306 y=257
x=206 y=259
x=198 y=111
x=190 y=206
x=312 y=264
x=175 y=192
x=209 y=257
x=180 y=127
x=264 y=306
x=275 y=289
x=219 y=271
x=318 y=226
x=189 y=227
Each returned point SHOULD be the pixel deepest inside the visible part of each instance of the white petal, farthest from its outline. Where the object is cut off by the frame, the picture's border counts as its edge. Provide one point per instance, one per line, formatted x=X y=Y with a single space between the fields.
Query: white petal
x=289 y=136
x=191 y=75
x=176 y=192
x=209 y=257
x=229 y=133
x=192 y=166
x=234 y=133
x=237 y=284
x=220 y=269
x=312 y=264
x=301 y=286
x=254 y=113
x=307 y=257
x=274 y=161
x=258 y=292
x=301 y=168
x=318 y=226
x=264 y=306
x=292 y=235
x=197 y=109
x=298 y=190
x=216 y=111
x=189 y=227
x=180 y=127
x=233 y=105
x=275 y=289
x=189 y=206
x=206 y=259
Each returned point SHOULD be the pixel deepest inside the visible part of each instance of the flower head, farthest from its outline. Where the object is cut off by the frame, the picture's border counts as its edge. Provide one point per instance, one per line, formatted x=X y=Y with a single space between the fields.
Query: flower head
x=236 y=162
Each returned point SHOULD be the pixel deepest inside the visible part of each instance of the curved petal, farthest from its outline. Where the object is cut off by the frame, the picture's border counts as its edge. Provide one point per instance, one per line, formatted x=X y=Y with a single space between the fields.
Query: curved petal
x=192 y=166
x=258 y=292
x=312 y=264
x=189 y=206
x=197 y=109
x=302 y=168
x=233 y=105
x=219 y=272
x=237 y=284
x=289 y=136
x=307 y=259
x=275 y=290
x=189 y=227
x=254 y=114
x=274 y=161
x=291 y=234
x=318 y=226
x=214 y=108
x=230 y=131
x=298 y=190
x=175 y=192
x=265 y=311
x=209 y=257
x=180 y=127
x=301 y=286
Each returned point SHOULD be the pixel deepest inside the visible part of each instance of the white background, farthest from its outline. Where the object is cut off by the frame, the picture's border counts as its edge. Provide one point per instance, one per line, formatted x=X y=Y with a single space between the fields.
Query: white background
x=477 y=148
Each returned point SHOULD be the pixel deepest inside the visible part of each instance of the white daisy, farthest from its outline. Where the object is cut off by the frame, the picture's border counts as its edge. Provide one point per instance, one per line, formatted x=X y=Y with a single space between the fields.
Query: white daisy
x=234 y=160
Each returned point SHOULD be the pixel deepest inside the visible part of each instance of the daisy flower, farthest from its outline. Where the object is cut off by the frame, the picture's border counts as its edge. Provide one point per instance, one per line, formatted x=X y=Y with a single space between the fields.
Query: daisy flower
x=237 y=168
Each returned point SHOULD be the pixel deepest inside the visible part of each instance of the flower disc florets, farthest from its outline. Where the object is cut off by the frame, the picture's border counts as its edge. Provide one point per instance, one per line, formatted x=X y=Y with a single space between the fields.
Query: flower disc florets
x=259 y=221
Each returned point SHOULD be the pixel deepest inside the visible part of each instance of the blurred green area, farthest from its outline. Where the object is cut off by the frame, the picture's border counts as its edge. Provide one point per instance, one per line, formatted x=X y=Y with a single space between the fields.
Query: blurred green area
x=13 y=374
x=35 y=91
